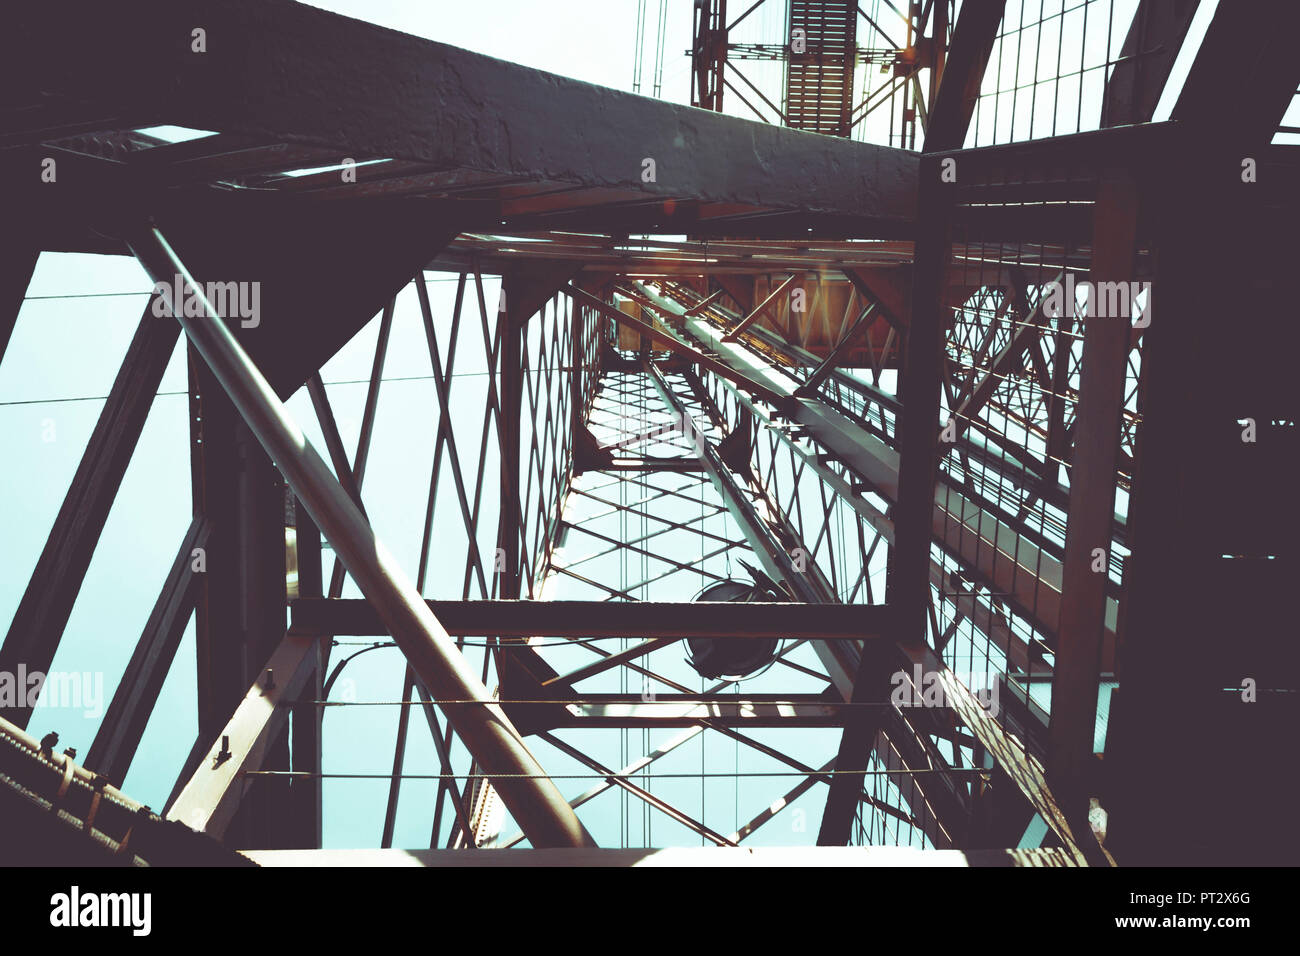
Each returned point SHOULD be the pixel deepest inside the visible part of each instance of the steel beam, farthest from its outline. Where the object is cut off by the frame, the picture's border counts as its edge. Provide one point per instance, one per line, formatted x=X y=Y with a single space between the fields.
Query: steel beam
x=1243 y=108
x=1145 y=60
x=526 y=790
x=759 y=310
x=671 y=341
x=305 y=794
x=133 y=702
x=666 y=711
x=657 y=802
x=766 y=534
x=426 y=107
x=665 y=619
x=1098 y=426
x=1013 y=566
x=209 y=800
x=851 y=443
x=908 y=580
x=19 y=264
x=963 y=73
x=38 y=623
x=832 y=360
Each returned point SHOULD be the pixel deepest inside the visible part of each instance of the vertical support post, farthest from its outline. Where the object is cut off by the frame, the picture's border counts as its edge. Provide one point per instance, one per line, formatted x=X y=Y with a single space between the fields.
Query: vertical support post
x=306 y=793
x=907 y=585
x=510 y=327
x=1106 y=342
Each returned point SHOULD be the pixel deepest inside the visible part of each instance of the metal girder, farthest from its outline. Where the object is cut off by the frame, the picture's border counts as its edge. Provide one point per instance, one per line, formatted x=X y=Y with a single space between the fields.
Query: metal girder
x=659 y=804
x=209 y=800
x=968 y=57
x=54 y=812
x=617 y=659
x=592 y=792
x=776 y=560
x=666 y=710
x=671 y=341
x=1106 y=347
x=526 y=289
x=133 y=702
x=1025 y=336
x=730 y=262
x=1208 y=603
x=759 y=310
x=831 y=362
x=241 y=596
x=889 y=289
x=908 y=579
x=1014 y=566
x=38 y=623
x=306 y=813
x=1001 y=457
x=773 y=542
x=1028 y=657
x=309 y=67
x=861 y=724
x=853 y=446
x=530 y=795
x=1145 y=60
x=19 y=264
x=1244 y=107
x=507 y=618
x=774 y=808
x=333 y=442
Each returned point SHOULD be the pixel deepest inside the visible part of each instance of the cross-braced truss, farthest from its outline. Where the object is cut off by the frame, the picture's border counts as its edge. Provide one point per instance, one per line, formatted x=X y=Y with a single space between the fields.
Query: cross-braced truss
x=907 y=400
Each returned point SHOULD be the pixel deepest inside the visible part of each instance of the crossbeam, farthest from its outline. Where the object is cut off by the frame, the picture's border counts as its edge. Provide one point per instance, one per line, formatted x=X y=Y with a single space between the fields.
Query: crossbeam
x=759 y=620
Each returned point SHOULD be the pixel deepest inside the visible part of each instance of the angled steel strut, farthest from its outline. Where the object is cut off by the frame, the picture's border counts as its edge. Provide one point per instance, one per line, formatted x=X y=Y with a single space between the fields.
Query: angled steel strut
x=497 y=746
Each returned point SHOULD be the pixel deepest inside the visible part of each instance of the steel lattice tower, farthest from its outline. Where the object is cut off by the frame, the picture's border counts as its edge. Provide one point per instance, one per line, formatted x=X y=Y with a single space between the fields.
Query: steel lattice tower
x=958 y=433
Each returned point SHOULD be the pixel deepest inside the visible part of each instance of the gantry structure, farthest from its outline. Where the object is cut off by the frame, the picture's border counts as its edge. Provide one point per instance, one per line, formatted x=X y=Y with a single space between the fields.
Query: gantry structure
x=753 y=389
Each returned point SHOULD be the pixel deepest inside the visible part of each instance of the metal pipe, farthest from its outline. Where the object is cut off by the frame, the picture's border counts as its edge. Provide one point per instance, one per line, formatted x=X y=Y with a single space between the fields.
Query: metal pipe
x=531 y=797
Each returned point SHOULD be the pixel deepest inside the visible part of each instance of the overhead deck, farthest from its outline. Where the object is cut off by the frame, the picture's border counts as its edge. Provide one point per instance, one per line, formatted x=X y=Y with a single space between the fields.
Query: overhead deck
x=480 y=140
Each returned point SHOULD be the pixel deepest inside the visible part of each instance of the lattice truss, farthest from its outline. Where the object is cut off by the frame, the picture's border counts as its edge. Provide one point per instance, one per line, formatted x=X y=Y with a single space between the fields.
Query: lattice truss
x=616 y=427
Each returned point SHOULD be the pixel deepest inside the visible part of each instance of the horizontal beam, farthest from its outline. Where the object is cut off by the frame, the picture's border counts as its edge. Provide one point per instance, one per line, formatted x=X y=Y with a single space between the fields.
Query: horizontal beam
x=823 y=622
x=363 y=91
x=733 y=712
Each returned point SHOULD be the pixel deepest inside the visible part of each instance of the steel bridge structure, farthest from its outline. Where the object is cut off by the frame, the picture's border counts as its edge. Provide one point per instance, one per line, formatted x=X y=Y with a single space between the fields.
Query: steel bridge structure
x=1020 y=550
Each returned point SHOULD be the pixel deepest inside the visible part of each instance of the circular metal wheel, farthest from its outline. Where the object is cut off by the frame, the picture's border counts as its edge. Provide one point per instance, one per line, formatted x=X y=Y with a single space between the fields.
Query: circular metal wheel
x=732 y=658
